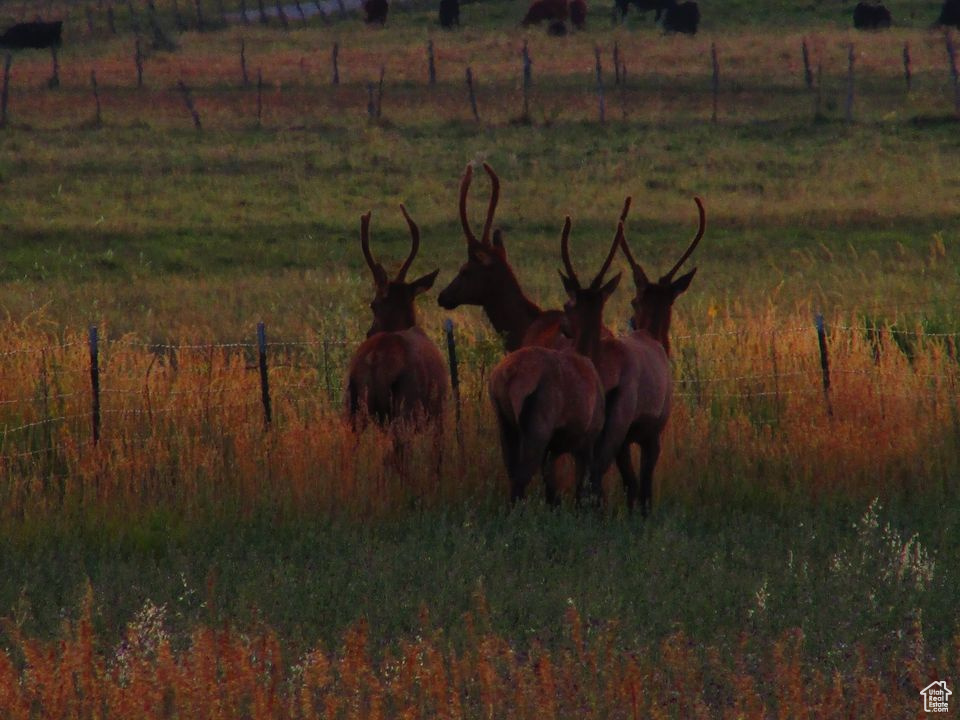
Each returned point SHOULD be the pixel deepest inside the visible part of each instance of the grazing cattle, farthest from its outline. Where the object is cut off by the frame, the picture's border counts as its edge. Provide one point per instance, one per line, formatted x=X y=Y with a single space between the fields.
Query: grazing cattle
x=541 y=10
x=449 y=13
x=551 y=402
x=376 y=11
x=950 y=14
x=397 y=373
x=682 y=17
x=870 y=16
x=578 y=13
x=32 y=35
x=643 y=6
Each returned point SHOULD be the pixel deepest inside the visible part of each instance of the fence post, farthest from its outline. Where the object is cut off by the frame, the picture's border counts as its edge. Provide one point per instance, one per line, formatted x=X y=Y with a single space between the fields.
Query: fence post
x=907 y=72
x=95 y=382
x=96 y=97
x=5 y=93
x=54 y=80
x=431 y=66
x=188 y=101
x=616 y=63
x=601 y=108
x=336 y=69
x=716 y=80
x=264 y=377
x=138 y=61
x=824 y=361
x=527 y=79
x=807 y=71
x=623 y=89
x=851 y=56
x=952 y=56
x=473 y=97
x=259 y=97
x=454 y=370
x=243 y=63
x=383 y=69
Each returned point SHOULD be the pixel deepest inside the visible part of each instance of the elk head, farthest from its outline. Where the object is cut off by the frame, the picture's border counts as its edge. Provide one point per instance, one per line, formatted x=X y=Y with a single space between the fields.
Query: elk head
x=486 y=268
x=393 y=308
x=653 y=303
x=584 y=309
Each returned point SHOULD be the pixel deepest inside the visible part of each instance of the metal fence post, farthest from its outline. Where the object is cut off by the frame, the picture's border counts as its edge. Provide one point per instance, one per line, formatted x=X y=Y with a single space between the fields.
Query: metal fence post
x=264 y=376
x=95 y=382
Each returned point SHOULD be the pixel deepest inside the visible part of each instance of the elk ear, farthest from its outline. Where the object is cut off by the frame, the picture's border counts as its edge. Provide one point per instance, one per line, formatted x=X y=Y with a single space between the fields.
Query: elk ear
x=607 y=290
x=682 y=282
x=570 y=285
x=498 y=242
x=422 y=284
x=482 y=254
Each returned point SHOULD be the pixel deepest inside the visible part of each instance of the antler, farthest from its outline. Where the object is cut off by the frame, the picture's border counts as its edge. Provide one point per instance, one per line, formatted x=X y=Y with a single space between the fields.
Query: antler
x=565 y=251
x=379 y=274
x=703 y=226
x=414 y=245
x=618 y=238
x=626 y=209
x=464 y=188
x=492 y=207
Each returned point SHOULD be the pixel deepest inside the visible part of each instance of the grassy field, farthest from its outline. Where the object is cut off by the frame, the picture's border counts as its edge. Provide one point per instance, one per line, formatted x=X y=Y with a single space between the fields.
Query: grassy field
x=802 y=554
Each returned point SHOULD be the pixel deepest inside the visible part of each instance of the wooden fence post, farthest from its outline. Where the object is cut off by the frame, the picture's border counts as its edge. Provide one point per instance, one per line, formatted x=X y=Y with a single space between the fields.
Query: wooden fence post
x=527 y=79
x=431 y=67
x=807 y=71
x=259 y=97
x=188 y=101
x=824 y=361
x=601 y=105
x=454 y=369
x=243 y=63
x=336 y=68
x=851 y=56
x=715 y=81
x=96 y=98
x=54 y=80
x=383 y=69
x=473 y=96
x=907 y=71
x=95 y=382
x=5 y=93
x=138 y=61
x=264 y=375
x=616 y=63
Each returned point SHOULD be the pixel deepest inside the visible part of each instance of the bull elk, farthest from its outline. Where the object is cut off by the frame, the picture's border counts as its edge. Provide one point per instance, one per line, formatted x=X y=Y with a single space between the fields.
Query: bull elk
x=650 y=344
x=487 y=280
x=397 y=373
x=549 y=402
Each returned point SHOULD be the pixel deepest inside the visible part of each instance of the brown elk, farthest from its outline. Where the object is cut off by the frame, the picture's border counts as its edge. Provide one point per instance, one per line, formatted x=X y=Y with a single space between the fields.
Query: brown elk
x=541 y=10
x=487 y=280
x=397 y=373
x=550 y=402
x=650 y=343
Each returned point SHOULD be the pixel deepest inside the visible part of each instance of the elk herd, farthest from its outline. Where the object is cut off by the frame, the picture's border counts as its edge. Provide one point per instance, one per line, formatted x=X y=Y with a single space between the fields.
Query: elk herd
x=568 y=383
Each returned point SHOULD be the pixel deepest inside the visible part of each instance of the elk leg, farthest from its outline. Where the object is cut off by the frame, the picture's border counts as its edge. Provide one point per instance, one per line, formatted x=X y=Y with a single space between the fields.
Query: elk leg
x=625 y=466
x=548 y=471
x=650 y=453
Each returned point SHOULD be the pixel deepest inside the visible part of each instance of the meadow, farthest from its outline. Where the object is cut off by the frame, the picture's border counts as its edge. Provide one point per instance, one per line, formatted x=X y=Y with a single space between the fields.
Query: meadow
x=801 y=559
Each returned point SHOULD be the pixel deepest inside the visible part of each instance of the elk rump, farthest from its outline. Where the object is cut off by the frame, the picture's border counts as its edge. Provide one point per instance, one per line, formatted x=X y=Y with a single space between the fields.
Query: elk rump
x=32 y=35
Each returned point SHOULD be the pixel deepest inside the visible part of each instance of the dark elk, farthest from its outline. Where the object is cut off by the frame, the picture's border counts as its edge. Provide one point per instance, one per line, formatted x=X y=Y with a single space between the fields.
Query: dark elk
x=488 y=280
x=682 y=17
x=32 y=35
x=397 y=373
x=449 y=13
x=643 y=6
x=551 y=402
x=550 y=10
x=950 y=14
x=650 y=343
x=375 y=11
x=871 y=16
x=578 y=14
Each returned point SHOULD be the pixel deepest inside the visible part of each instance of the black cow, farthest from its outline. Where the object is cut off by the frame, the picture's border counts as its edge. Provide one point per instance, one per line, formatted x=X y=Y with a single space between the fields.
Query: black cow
x=32 y=35
x=376 y=11
x=682 y=17
x=449 y=13
x=950 y=13
x=643 y=6
x=870 y=16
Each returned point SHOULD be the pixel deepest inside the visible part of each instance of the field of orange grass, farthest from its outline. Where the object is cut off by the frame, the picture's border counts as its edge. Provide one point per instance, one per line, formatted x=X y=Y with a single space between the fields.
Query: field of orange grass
x=183 y=425
x=225 y=673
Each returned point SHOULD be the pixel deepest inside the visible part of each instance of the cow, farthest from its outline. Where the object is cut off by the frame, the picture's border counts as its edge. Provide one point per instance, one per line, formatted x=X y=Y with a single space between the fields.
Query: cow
x=376 y=11
x=950 y=13
x=870 y=16
x=32 y=35
x=682 y=17
x=449 y=13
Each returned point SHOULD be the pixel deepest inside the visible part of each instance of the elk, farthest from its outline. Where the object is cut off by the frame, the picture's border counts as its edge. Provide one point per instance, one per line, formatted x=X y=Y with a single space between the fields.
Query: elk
x=871 y=16
x=375 y=11
x=397 y=373
x=681 y=17
x=578 y=13
x=449 y=13
x=550 y=402
x=487 y=280
x=37 y=34
x=541 y=10
x=950 y=13
x=643 y=6
x=650 y=343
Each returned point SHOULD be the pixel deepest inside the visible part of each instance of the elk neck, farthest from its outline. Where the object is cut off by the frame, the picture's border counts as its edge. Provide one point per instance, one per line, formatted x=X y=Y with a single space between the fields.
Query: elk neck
x=511 y=313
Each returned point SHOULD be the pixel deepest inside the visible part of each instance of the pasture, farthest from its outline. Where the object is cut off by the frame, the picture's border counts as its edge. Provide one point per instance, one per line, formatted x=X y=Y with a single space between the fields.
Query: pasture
x=803 y=549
